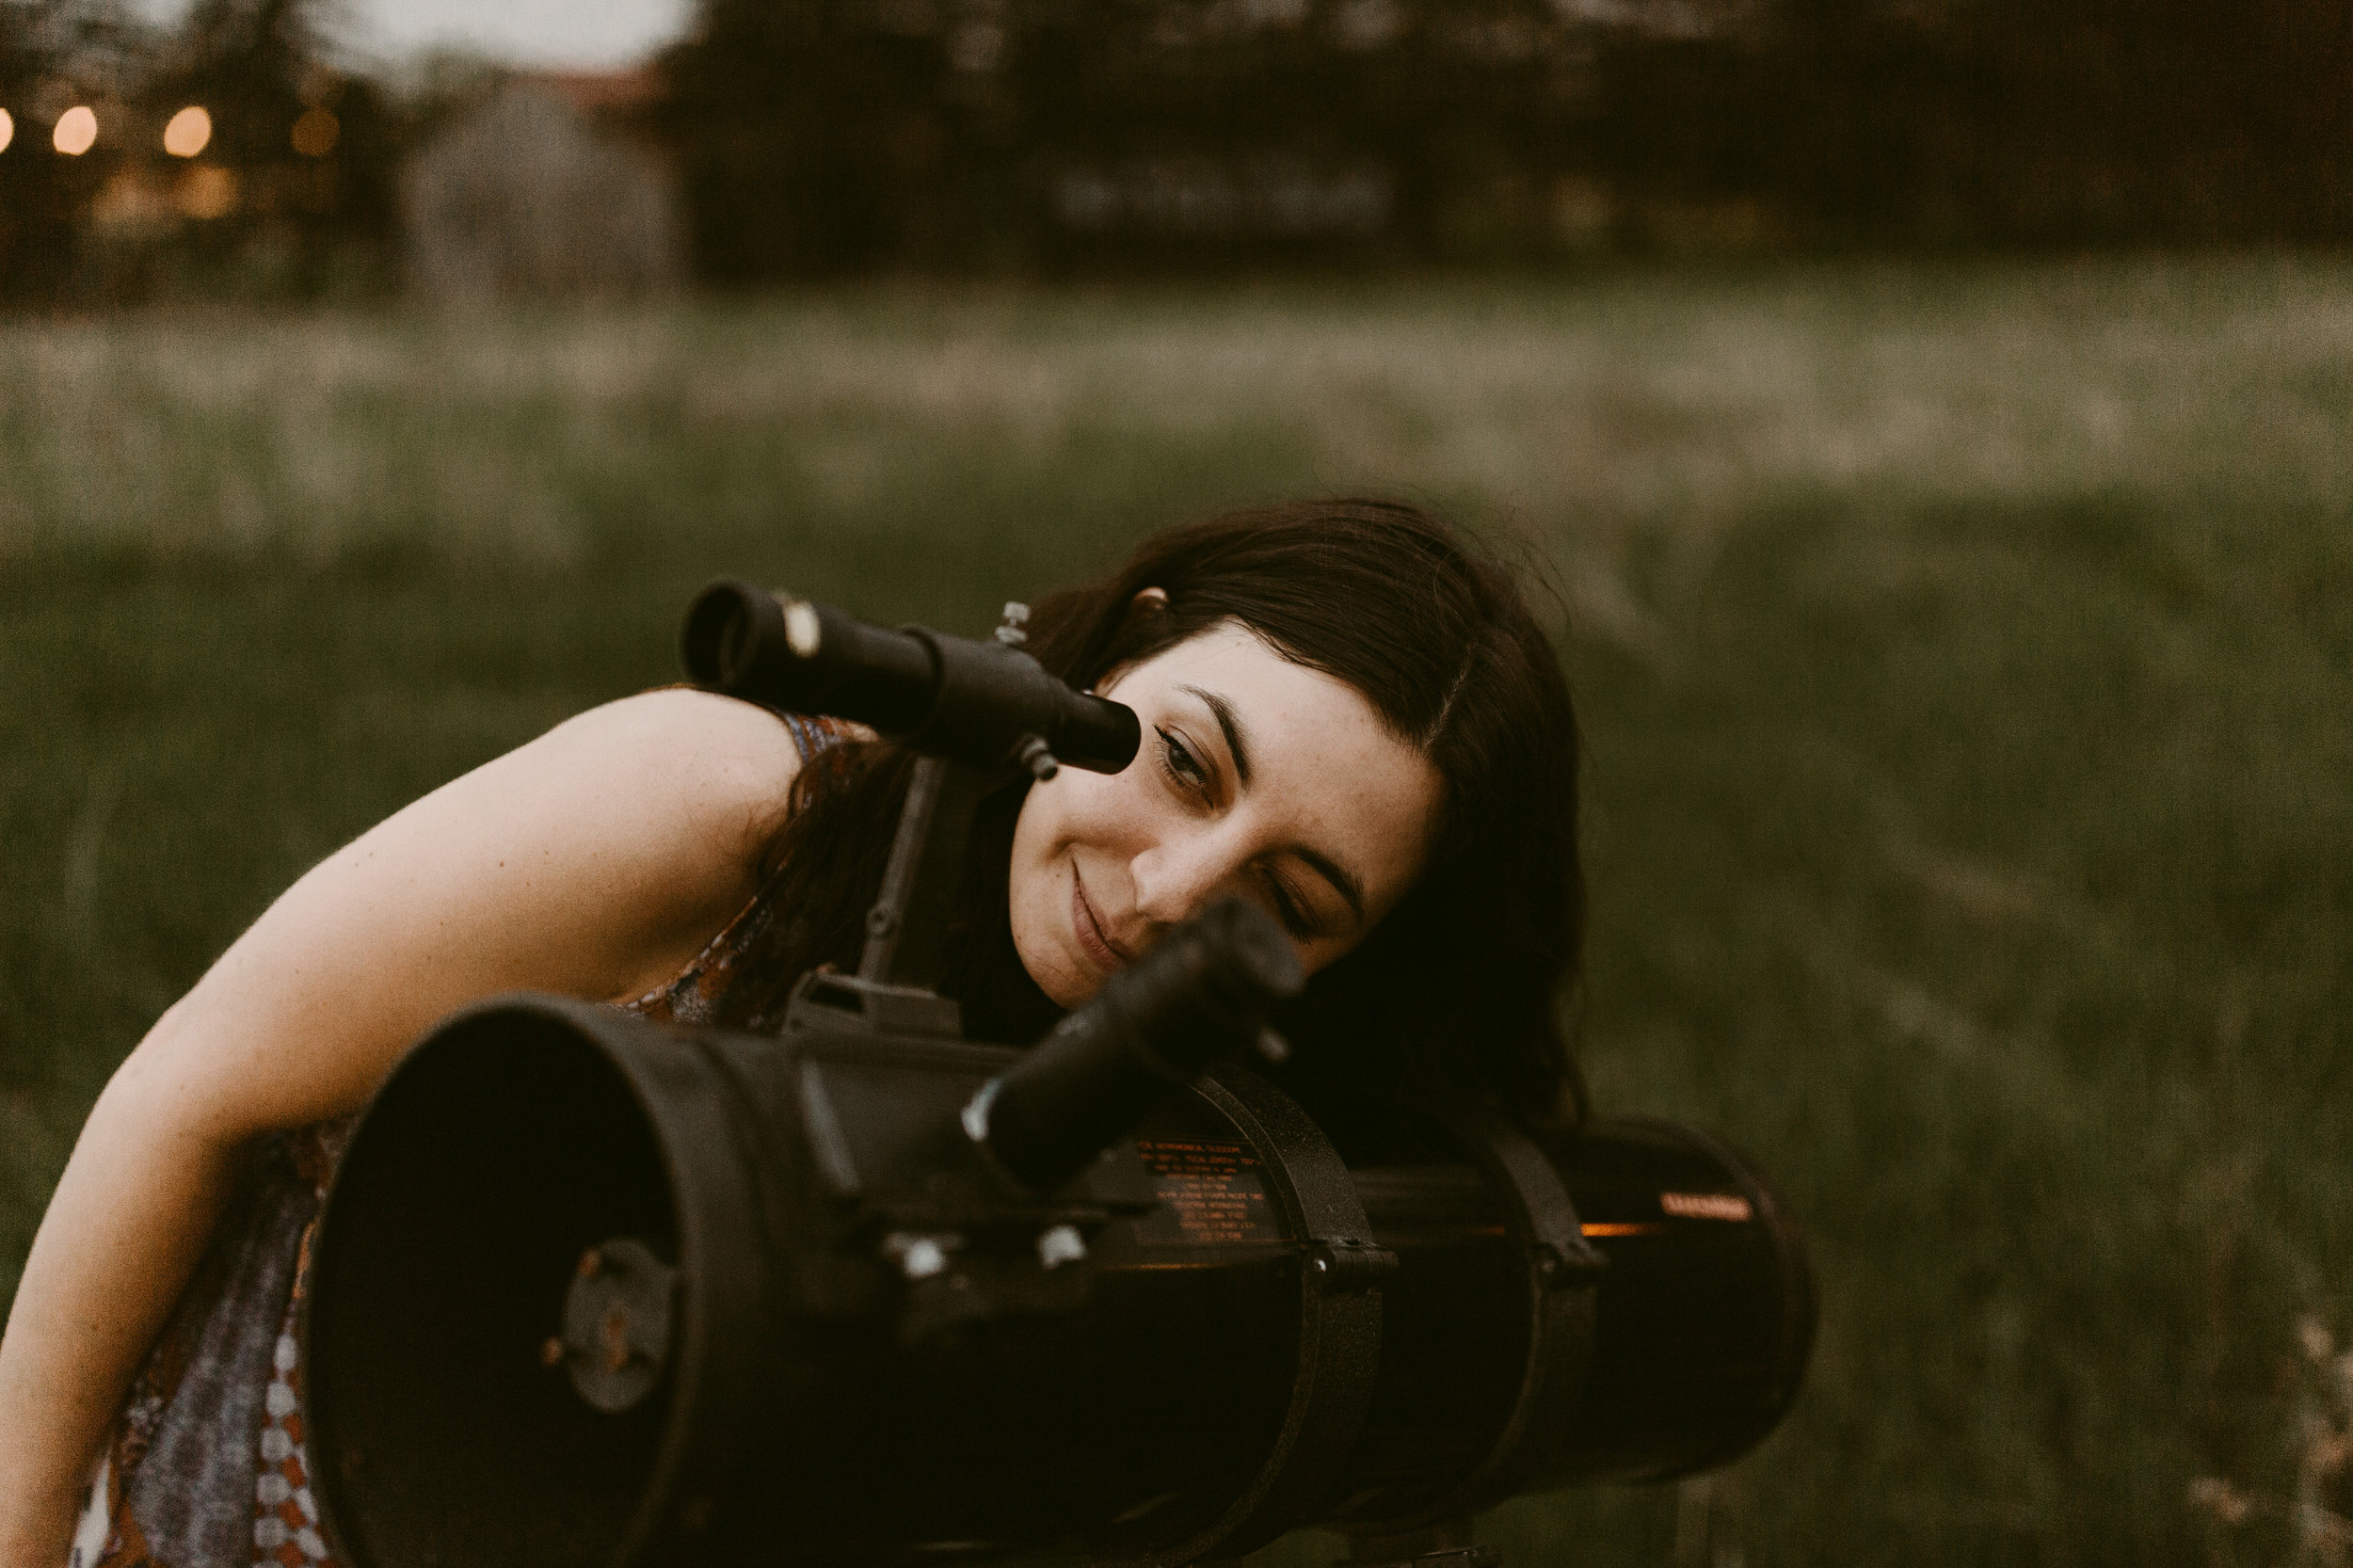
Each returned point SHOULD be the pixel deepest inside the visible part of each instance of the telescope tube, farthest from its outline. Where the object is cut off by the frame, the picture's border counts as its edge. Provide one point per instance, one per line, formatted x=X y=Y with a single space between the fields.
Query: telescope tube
x=1359 y=1334
x=974 y=702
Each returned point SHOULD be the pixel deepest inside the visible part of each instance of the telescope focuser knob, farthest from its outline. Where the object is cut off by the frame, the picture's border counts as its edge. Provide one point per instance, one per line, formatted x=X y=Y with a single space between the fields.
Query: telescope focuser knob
x=1037 y=758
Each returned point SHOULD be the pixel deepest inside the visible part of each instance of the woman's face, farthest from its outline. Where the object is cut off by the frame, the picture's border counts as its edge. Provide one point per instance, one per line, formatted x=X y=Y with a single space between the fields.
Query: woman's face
x=1257 y=777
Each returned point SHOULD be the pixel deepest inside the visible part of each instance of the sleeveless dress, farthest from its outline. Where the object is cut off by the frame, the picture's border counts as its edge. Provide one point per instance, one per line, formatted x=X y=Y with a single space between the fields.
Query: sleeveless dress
x=205 y=1465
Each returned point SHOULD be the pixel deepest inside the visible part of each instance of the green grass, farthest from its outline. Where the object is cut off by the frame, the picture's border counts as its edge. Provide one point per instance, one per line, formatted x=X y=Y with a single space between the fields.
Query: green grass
x=1964 y=653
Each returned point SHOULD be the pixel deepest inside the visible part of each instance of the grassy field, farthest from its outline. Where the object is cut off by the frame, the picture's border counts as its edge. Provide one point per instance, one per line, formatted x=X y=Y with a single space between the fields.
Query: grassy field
x=1965 y=655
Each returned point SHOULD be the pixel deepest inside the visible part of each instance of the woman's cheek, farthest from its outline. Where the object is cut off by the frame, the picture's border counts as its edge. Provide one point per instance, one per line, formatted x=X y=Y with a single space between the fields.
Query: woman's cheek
x=1104 y=813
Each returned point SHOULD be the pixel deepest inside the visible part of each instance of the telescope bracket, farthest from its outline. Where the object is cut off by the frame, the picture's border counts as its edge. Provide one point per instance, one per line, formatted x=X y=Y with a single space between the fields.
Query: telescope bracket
x=906 y=930
x=1562 y=1267
x=924 y=1228
x=1445 y=1546
x=986 y=1289
x=1348 y=1264
x=852 y=1005
x=1339 y=1353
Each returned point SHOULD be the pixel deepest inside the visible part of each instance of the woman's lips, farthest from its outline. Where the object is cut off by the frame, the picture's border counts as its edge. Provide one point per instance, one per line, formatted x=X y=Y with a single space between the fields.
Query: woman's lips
x=1091 y=937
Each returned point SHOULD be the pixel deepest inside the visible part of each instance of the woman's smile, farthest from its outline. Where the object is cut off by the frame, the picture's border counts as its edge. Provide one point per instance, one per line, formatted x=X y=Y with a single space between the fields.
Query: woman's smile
x=1093 y=939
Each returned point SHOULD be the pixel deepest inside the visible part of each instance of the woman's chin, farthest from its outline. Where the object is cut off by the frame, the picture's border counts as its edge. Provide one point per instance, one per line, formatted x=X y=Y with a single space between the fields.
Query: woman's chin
x=1065 y=981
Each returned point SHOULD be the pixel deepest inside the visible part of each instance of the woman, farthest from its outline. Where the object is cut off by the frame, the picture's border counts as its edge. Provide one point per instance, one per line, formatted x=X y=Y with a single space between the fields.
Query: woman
x=1349 y=716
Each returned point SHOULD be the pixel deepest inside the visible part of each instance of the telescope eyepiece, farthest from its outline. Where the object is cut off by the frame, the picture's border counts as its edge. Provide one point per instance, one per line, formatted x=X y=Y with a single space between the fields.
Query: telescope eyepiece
x=721 y=631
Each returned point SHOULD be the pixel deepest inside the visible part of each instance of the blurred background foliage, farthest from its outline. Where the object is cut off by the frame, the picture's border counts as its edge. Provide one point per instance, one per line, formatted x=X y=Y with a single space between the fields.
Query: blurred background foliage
x=1935 y=418
x=796 y=138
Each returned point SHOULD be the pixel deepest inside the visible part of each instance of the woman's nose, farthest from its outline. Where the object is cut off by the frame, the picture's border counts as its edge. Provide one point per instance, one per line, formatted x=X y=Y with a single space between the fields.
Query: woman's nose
x=1175 y=882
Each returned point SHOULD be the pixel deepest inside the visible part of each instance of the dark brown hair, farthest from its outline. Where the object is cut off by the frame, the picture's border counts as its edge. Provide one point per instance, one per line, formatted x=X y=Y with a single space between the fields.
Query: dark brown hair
x=1462 y=981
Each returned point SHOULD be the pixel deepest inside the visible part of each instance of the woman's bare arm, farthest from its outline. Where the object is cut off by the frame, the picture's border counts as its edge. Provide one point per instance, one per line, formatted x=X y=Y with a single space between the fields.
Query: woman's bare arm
x=592 y=863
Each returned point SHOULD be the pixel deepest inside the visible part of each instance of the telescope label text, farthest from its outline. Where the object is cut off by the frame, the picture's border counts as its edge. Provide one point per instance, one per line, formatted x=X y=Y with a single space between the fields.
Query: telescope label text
x=1213 y=1189
x=1707 y=1206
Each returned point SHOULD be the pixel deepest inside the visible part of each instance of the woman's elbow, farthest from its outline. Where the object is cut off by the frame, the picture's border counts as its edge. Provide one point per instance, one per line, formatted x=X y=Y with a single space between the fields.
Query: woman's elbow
x=172 y=1089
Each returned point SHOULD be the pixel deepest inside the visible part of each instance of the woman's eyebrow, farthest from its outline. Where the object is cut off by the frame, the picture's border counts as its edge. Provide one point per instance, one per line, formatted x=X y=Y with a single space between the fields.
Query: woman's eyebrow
x=1236 y=743
x=1336 y=875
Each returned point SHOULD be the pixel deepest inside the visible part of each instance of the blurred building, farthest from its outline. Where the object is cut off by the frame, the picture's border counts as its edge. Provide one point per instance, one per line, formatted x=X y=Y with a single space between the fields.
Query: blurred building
x=841 y=136
x=541 y=191
x=830 y=135
x=793 y=138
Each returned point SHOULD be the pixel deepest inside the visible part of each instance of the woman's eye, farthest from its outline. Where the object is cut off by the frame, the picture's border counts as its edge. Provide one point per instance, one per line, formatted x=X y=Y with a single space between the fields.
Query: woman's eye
x=1287 y=910
x=1179 y=761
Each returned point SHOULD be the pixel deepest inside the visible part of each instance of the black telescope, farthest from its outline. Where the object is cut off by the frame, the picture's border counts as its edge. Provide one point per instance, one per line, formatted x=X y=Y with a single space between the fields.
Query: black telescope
x=710 y=1299
x=590 y=1289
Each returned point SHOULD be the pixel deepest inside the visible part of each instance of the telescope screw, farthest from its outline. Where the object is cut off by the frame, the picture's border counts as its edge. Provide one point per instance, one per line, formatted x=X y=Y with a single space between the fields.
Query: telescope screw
x=1350 y=1267
x=920 y=1257
x=1013 y=632
x=1033 y=755
x=1060 y=1245
x=1557 y=1268
x=803 y=633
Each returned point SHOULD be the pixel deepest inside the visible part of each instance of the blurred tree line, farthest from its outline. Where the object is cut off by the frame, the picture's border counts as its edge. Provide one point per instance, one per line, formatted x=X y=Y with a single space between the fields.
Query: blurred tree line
x=227 y=154
x=822 y=136
x=815 y=137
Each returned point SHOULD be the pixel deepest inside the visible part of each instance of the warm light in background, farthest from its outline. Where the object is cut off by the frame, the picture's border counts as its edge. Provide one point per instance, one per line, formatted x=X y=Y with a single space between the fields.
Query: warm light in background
x=77 y=131
x=8 y=130
x=314 y=134
x=189 y=133
x=208 y=192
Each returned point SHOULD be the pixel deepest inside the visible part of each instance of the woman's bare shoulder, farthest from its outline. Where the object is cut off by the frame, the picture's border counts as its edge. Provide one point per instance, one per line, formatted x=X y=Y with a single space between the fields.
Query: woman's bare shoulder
x=605 y=850
x=694 y=728
x=725 y=744
x=710 y=760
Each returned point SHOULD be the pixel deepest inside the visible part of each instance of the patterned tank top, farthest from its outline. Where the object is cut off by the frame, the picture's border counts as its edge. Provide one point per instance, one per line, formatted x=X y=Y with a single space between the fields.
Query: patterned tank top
x=205 y=1466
